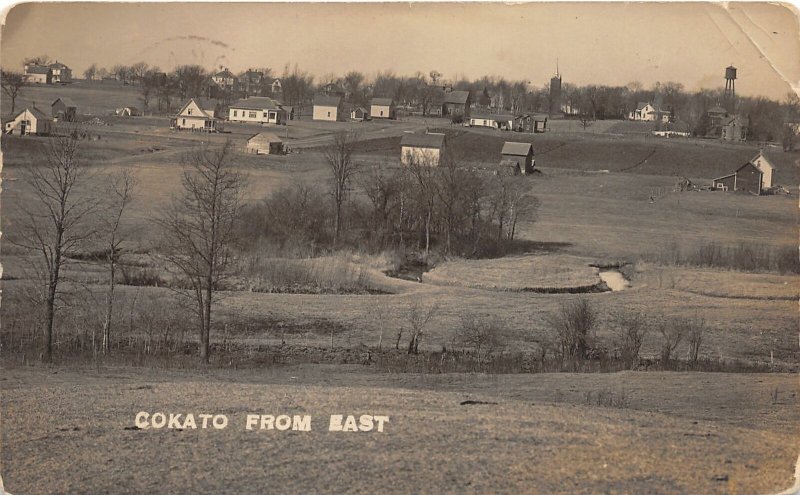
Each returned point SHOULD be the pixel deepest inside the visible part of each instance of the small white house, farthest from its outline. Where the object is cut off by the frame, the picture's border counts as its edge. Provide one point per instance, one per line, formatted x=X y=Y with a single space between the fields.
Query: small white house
x=38 y=74
x=198 y=114
x=382 y=108
x=422 y=149
x=30 y=121
x=766 y=167
x=648 y=113
x=327 y=108
x=503 y=122
x=60 y=73
x=359 y=114
x=258 y=110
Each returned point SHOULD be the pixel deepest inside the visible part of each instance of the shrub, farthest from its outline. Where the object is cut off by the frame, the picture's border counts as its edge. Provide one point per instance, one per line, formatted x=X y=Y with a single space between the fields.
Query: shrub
x=632 y=329
x=672 y=333
x=573 y=325
x=695 y=330
x=484 y=336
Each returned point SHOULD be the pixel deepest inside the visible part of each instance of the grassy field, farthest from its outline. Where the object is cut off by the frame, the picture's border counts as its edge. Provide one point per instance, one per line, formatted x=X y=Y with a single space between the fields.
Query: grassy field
x=556 y=433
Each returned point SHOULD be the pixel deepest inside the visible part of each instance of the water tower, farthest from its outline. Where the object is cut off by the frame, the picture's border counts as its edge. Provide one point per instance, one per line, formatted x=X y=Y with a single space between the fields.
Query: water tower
x=555 y=93
x=730 y=86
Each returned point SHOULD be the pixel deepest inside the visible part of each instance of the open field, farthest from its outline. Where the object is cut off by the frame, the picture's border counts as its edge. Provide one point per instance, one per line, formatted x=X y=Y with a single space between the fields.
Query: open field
x=663 y=433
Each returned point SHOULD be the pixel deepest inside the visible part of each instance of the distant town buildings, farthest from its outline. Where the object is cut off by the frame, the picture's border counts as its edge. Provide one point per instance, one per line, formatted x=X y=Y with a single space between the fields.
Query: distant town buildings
x=55 y=73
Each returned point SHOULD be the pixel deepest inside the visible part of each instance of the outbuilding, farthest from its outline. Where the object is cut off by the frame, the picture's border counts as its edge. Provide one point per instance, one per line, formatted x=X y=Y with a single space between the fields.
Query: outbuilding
x=502 y=122
x=382 y=108
x=30 y=121
x=257 y=109
x=327 y=108
x=520 y=154
x=359 y=113
x=754 y=176
x=422 y=149
x=265 y=143
x=64 y=109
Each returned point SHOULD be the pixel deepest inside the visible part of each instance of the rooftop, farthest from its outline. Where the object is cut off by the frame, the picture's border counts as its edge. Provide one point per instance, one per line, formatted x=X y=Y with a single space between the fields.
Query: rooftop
x=516 y=149
x=431 y=140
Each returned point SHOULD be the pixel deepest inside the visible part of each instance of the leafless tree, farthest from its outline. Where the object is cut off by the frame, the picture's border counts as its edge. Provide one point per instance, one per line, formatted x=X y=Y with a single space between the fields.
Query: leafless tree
x=37 y=60
x=198 y=229
x=90 y=72
x=12 y=83
x=56 y=223
x=483 y=335
x=672 y=333
x=418 y=318
x=574 y=325
x=423 y=175
x=632 y=329
x=138 y=70
x=339 y=157
x=122 y=189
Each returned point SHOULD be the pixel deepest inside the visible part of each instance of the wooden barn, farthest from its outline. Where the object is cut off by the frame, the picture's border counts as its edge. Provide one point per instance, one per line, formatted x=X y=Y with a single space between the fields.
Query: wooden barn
x=531 y=123
x=30 y=121
x=264 y=143
x=64 y=109
x=422 y=149
x=519 y=156
x=754 y=176
x=456 y=103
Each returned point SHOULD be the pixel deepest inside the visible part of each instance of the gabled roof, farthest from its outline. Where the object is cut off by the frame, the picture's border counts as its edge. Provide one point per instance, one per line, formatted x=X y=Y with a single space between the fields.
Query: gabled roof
x=37 y=69
x=38 y=114
x=327 y=101
x=382 y=102
x=257 y=103
x=717 y=109
x=516 y=149
x=264 y=138
x=763 y=162
x=641 y=105
x=58 y=65
x=431 y=140
x=459 y=97
x=206 y=105
x=224 y=73
x=66 y=101
x=733 y=118
x=361 y=109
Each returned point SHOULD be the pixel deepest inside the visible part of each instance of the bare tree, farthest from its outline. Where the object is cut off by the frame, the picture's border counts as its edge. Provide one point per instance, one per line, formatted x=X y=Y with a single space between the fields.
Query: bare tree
x=122 y=188
x=573 y=325
x=339 y=156
x=56 y=222
x=138 y=70
x=199 y=229
x=12 y=83
x=37 y=60
x=90 y=72
x=482 y=334
x=632 y=329
x=672 y=333
x=418 y=318
x=423 y=173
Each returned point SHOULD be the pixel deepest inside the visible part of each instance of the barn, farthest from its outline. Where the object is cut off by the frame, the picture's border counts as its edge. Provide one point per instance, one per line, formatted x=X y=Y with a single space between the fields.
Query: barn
x=754 y=176
x=422 y=149
x=29 y=121
x=264 y=143
x=456 y=103
x=64 y=109
x=531 y=123
x=520 y=154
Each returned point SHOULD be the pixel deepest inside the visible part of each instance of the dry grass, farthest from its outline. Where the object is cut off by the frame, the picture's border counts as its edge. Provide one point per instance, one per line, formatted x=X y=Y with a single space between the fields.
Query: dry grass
x=549 y=273
x=722 y=283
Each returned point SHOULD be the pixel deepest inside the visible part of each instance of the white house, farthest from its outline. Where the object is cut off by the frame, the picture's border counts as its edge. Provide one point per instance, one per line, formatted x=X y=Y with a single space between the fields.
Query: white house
x=198 y=114
x=225 y=79
x=382 y=108
x=60 y=73
x=422 y=149
x=327 y=108
x=259 y=110
x=766 y=167
x=37 y=74
x=29 y=121
x=648 y=113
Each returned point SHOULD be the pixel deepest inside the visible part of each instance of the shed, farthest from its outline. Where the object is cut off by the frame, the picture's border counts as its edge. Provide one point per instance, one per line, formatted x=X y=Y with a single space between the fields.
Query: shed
x=382 y=108
x=422 y=149
x=519 y=153
x=265 y=143
x=29 y=121
x=456 y=103
x=64 y=109
x=327 y=108
x=754 y=176
x=127 y=112
x=359 y=113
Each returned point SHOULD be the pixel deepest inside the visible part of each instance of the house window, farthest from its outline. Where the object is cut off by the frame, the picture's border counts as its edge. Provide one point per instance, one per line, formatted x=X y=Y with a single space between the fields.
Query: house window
x=329 y=114
x=184 y=122
x=381 y=113
x=266 y=115
x=273 y=116
x=189 y=112
x=252 y=115
x=235 y=113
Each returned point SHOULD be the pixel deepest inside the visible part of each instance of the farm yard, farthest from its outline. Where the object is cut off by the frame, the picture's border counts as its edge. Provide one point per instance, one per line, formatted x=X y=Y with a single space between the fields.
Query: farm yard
x=319 y=329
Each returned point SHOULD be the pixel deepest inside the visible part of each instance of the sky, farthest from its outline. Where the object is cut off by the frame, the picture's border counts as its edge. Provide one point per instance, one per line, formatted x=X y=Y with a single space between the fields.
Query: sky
x=594 y=43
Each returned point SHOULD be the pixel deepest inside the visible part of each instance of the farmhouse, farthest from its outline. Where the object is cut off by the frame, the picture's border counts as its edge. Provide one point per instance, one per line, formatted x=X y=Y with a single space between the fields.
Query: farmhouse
x=359 y=113
x=64 y=109
x=259 y=109
x=225 y=79
x=519 y=156
x=382 y=108
x=251 y=82
x=29 y=121
x=422 y=149
x=327 y=108
x=754 y=176
x=502 y=122
x=276 y=87
x=60 y=73
x=531 y=123
x=456 y=103
x=198 y=114
x=716 y=114
x=264 y=143
x=648 y=113
x=37 y=74
x=733 y=128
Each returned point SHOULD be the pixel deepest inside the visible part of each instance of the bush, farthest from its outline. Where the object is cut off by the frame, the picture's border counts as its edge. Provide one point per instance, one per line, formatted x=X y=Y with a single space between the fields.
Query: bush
x=632 y=329
x=573 y=325
x=672 y=333
x=484 y=336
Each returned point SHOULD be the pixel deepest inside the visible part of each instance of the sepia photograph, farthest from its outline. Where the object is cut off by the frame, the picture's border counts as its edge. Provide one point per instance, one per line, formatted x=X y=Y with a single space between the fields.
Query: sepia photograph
x=400 y=248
